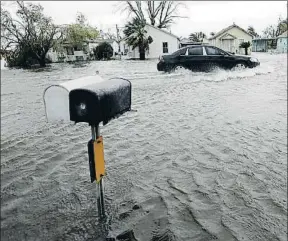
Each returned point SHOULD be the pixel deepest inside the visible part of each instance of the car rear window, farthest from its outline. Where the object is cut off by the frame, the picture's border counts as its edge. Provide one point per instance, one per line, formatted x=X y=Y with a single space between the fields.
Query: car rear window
x=195 y=51
x=213 y=51
x=180 y=52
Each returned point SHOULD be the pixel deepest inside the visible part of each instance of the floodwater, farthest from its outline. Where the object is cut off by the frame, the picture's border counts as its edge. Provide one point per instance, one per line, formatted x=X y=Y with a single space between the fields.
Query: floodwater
x=203 y=158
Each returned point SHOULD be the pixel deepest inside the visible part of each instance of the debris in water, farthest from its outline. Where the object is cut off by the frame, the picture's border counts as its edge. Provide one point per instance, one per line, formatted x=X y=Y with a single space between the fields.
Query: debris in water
x=127 y=236
x=124 y=215
x=136 y=207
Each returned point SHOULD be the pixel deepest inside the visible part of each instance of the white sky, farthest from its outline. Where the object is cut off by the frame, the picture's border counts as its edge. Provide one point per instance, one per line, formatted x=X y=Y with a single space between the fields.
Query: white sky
x=205 y=16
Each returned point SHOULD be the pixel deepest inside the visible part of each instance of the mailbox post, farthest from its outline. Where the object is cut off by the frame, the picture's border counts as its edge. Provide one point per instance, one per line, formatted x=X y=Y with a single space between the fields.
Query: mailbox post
x=91 y=100
x=100 y=190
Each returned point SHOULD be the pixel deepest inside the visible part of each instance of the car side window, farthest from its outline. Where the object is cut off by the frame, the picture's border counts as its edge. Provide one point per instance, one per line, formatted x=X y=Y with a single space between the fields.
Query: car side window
x=180 y=52
x=195 y=51
x=213 y=51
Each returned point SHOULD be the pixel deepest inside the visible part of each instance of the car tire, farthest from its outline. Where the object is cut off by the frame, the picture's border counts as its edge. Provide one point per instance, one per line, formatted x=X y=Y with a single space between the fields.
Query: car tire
x=241 y=65
x=178 y=67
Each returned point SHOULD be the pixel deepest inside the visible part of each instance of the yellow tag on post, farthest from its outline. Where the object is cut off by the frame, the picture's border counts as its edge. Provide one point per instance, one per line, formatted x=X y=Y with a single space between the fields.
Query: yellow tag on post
x=99 y=159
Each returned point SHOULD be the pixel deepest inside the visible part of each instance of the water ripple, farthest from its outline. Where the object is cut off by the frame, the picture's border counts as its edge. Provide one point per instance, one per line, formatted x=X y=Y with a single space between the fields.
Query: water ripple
x=203 y=158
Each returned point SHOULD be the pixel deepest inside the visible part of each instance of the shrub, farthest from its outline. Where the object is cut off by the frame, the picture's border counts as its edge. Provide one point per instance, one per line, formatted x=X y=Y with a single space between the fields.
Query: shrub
x=103 y=51
x=245 y=45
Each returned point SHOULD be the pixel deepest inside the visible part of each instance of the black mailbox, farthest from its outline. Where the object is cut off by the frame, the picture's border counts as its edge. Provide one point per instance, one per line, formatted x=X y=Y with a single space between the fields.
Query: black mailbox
x=90 y=99
x=100 y=101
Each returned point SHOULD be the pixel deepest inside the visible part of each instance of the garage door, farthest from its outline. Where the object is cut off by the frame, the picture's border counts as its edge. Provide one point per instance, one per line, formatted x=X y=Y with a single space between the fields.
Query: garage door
x=227 y=44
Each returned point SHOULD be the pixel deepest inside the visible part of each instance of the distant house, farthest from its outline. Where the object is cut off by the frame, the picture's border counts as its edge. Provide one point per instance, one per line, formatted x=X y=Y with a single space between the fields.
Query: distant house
x=124 y=48
x=282 y=43
x=186 y=42
x=163 y=43
x=73 y=53
x=262 y=44
x=68 y=54
x=230 y=38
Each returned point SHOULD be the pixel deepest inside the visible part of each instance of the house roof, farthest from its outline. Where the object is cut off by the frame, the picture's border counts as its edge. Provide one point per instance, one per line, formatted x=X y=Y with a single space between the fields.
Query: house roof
x=228 y=28
x=160 y=29
x=261 y=39
x=283 y=35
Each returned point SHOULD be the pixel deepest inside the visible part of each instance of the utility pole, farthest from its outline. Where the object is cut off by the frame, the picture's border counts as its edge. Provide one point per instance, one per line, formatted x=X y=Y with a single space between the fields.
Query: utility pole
x=118 y=41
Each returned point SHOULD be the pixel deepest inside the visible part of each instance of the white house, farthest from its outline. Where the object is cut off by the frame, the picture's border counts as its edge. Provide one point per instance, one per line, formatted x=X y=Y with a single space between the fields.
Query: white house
x=69 y=54
x=163 y=43
x=282 y=42
x=230 y=38
x=124 y=48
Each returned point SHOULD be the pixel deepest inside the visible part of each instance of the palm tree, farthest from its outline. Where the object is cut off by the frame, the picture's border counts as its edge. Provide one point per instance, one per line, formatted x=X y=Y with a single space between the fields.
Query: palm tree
x=136 y=36
x=197 y=37
x=245 y=45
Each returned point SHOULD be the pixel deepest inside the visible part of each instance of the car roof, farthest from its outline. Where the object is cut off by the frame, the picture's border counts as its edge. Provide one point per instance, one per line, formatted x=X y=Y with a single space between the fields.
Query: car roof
x=199 y=45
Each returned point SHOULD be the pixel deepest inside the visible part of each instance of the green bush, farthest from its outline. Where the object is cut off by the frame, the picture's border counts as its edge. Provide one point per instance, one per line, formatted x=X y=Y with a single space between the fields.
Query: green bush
x=103 y=51
x=21 y=57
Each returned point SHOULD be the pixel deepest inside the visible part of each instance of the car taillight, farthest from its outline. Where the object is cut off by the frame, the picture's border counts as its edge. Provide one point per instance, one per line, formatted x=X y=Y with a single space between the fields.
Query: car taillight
x=161 y=59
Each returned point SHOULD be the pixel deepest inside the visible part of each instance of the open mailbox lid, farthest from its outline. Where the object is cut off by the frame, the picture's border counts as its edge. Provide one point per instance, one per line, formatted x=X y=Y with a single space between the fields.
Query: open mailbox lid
x=88 y=99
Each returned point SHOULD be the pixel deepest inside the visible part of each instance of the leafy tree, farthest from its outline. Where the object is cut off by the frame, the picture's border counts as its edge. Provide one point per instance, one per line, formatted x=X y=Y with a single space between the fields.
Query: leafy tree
x=245 y=45
x=81 y=19
x=27 y=37
x=159 y=13
x=136 y=36
x=77 y=33
x=252 y=31
x=103 y=51
x=197 y=36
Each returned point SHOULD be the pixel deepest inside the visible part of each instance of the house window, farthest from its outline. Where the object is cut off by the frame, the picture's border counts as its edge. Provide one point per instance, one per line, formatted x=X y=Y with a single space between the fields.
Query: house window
x=241 y=41
x=70 y=51
x=165 y=47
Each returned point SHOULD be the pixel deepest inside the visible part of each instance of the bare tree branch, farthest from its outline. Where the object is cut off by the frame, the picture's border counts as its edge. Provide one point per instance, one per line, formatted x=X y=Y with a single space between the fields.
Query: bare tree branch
x=159 y=13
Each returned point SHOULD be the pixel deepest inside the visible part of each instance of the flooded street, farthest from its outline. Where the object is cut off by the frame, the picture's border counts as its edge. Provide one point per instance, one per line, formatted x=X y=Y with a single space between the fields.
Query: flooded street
x=203 y=158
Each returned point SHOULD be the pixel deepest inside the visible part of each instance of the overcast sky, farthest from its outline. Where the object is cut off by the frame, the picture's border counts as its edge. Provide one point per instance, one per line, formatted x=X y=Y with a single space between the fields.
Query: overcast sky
x=203 y=16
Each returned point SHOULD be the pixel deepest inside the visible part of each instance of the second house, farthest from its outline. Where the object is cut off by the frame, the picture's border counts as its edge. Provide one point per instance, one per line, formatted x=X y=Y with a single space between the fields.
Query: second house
x=163 y=43
x=230 y=38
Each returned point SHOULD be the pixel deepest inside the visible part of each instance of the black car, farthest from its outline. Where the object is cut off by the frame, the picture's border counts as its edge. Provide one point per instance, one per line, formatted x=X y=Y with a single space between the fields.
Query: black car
x=204 y=58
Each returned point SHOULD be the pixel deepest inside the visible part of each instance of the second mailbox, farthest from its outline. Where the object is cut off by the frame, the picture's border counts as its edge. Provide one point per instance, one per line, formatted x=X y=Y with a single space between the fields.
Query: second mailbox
x=100 y=101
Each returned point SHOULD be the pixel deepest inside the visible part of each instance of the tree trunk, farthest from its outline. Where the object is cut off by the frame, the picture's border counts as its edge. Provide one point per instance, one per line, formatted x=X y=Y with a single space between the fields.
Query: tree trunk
x=141 y=51
x=246 y=51
x=42 y=62
x=142 y=55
